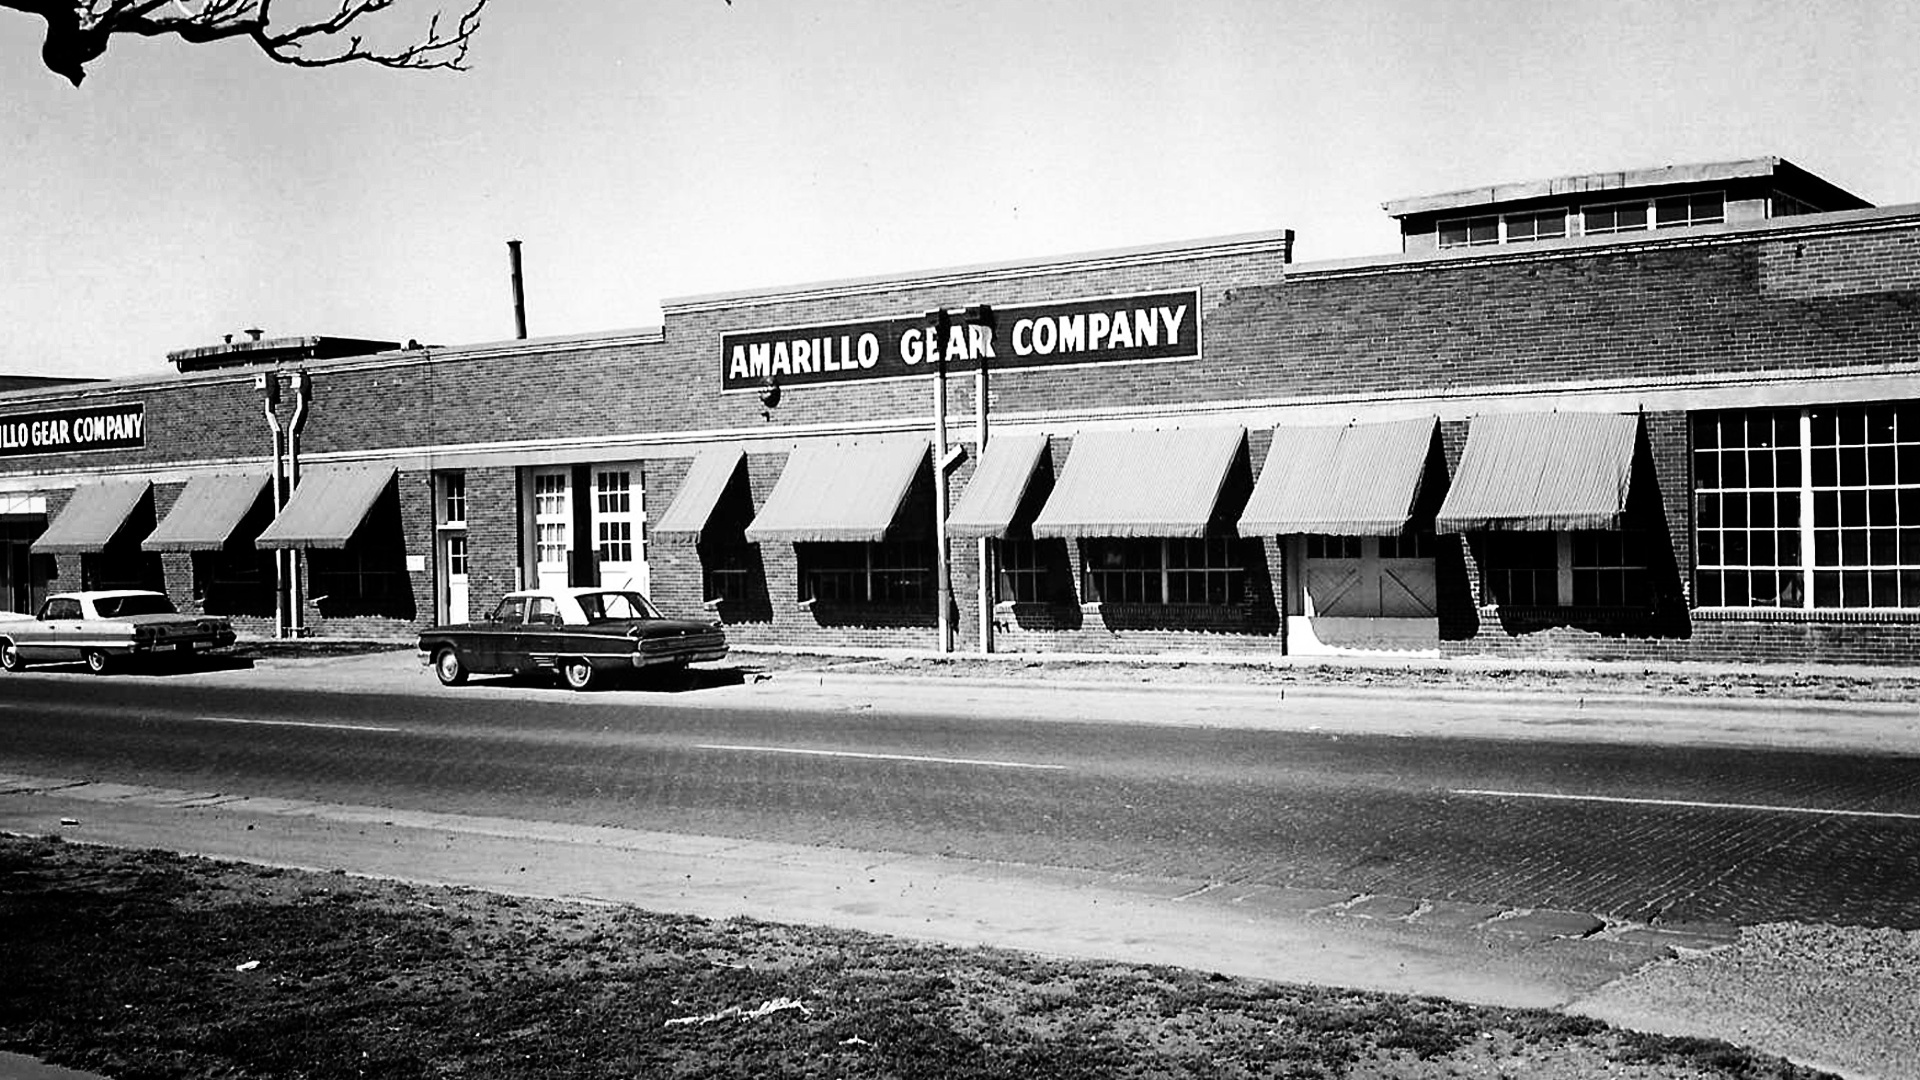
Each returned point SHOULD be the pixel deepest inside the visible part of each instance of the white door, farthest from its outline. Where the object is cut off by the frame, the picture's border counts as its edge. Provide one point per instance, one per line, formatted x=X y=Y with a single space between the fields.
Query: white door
x=618 y=514
x=457 y=578
x=1371 y=577
x=552 y=526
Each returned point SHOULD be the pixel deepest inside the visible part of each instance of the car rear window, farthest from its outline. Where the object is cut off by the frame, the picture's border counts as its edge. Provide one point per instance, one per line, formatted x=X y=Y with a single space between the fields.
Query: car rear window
x=120 y=607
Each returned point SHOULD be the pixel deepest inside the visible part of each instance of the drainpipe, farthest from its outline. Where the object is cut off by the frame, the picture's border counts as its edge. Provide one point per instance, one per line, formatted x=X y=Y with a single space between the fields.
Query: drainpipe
x=302 y=386
x=942 y=577
x=268 y=384
x=983 y=315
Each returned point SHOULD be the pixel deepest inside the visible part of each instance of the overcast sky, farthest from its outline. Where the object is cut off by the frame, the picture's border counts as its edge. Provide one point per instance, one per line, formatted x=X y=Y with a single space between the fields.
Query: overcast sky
x=647 y=149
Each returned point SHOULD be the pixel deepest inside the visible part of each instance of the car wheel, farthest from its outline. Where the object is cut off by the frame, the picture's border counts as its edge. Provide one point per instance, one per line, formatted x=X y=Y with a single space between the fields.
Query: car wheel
x=96 y=661
x=447 y=665
x=10 y=657
x=578 y=673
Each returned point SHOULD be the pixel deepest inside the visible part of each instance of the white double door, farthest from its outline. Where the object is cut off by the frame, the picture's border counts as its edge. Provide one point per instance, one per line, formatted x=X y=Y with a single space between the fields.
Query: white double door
x=614 y=518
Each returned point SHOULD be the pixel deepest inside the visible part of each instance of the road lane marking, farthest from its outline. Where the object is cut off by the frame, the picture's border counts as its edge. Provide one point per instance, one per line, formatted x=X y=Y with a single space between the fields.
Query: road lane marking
x=1689 y=804
x=878 y=757
x=293 y=723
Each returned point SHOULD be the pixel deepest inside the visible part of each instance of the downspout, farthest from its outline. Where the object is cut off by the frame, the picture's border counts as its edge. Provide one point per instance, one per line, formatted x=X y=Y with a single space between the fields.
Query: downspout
x=270 y=387
x=301 y=387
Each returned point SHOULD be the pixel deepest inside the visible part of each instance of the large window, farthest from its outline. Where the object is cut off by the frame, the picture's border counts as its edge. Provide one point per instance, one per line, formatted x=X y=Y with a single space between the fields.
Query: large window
x=1701 y=208
x=360 y=574
x=888 y=572
x=1469 y=232
x=1163 y=570
x=1536 y=225
x=1615 y=218
x=1808 y=508
x=728 y=569
x=1522 y=569
x=1024 y=570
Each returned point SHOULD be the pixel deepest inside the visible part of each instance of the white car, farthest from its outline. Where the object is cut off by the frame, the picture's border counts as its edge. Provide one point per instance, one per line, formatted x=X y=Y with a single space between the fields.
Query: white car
x=100 y=627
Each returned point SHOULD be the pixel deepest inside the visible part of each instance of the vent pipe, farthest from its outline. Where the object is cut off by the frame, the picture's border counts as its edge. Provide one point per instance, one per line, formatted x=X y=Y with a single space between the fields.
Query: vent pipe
x=519 y=290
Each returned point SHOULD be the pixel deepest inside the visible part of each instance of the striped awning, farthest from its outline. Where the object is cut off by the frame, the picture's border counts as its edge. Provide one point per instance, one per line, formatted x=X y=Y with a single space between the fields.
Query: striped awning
x=707 y=479
x=845 y=491
x=1357 y=480
x=207 y=512
x=92 y=518
x=1542 y=472
x=999 y=485
x=327 y=508
x=1141 y=483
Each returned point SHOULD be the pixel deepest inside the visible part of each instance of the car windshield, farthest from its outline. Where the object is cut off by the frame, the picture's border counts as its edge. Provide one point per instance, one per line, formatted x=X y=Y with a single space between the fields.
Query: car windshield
x=119 y=607
x=606 y=606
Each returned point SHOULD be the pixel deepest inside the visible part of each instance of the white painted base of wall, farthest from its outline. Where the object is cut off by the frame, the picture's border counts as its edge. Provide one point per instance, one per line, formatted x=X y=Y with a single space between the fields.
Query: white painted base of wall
x=1318 y=635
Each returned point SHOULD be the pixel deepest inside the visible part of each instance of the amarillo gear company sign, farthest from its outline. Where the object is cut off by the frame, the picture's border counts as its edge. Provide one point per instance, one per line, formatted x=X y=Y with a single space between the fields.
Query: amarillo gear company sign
x=67 y=431
x=1144 y=327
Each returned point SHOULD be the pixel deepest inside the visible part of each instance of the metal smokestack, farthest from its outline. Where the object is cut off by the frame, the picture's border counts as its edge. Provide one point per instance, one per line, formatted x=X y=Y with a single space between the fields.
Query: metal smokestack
x=519 y=290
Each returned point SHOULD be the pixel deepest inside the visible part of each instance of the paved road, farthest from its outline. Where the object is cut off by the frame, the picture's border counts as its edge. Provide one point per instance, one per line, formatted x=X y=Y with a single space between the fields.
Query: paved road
x=1700 y=834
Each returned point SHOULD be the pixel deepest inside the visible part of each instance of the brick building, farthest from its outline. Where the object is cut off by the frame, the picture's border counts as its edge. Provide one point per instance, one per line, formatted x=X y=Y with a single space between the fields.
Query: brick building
x=1666 y=413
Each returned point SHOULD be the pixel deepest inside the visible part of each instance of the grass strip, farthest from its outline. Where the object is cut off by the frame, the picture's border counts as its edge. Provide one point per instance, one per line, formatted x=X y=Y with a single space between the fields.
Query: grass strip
x=145 y=965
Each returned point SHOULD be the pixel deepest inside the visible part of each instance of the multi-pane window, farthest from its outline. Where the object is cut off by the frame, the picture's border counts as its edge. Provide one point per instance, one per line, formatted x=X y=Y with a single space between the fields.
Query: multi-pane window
x=1469 y=232
x=616 y=541
x=1747 y=508
x=613 y=492
x=727 y=570
x=890 y=571
x=453 y=503
x=457 y=554
x=358 y=574
x=1522 y=569
x=1333 y=547
x=550 y=517
x=1163 y=570
x=1536 y=225
x=1700 y=208
x=1023 y=571
x=1408 y=545
x=1810 y=508
x=1609 y=569
x=1615 y=218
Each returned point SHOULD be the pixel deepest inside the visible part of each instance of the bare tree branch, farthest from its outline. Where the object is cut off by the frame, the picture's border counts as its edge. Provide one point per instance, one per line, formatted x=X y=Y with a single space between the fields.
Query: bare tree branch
x=78 y=31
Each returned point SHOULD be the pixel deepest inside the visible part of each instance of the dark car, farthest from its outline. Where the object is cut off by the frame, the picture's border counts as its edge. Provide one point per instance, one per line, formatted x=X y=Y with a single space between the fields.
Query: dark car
x=581 y=633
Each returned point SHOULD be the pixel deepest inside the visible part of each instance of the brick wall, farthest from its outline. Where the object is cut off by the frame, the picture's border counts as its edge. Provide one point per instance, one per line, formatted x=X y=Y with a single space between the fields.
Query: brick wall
x=1743 y=307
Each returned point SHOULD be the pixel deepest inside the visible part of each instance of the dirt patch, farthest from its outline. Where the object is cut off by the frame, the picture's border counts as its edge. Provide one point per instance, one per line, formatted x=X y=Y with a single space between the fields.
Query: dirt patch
x=152 y=964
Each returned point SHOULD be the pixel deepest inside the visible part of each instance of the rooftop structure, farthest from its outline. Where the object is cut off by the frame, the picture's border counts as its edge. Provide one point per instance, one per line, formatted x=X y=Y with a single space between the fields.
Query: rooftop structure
x=1611 y=203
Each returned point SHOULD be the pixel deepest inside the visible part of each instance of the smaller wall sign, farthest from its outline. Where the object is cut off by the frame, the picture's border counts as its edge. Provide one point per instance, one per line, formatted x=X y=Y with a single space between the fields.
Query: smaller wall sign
x=68 y=431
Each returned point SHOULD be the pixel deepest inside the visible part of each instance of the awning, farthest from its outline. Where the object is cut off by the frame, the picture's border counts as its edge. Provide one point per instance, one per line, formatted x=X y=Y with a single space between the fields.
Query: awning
x=1141 y=483
x=999 y=483
x=207 y=512
x=707 y=478
x=840 y=490
x=1542 y=472
x=326 y=508
x=1357 y=480
x=92 y=518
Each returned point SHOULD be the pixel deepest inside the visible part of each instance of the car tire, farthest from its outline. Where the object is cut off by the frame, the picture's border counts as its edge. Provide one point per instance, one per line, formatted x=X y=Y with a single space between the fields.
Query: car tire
x=448 y=668
x=577 y=673
x=96 y=661
x=10 y=657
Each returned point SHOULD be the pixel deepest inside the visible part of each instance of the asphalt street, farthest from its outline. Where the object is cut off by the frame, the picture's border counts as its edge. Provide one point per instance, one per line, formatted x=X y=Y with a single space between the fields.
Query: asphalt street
x=1706 y=834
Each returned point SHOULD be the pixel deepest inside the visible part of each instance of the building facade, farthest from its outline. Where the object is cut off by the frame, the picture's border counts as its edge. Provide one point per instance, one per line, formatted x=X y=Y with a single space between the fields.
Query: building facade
x=1699 y=439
